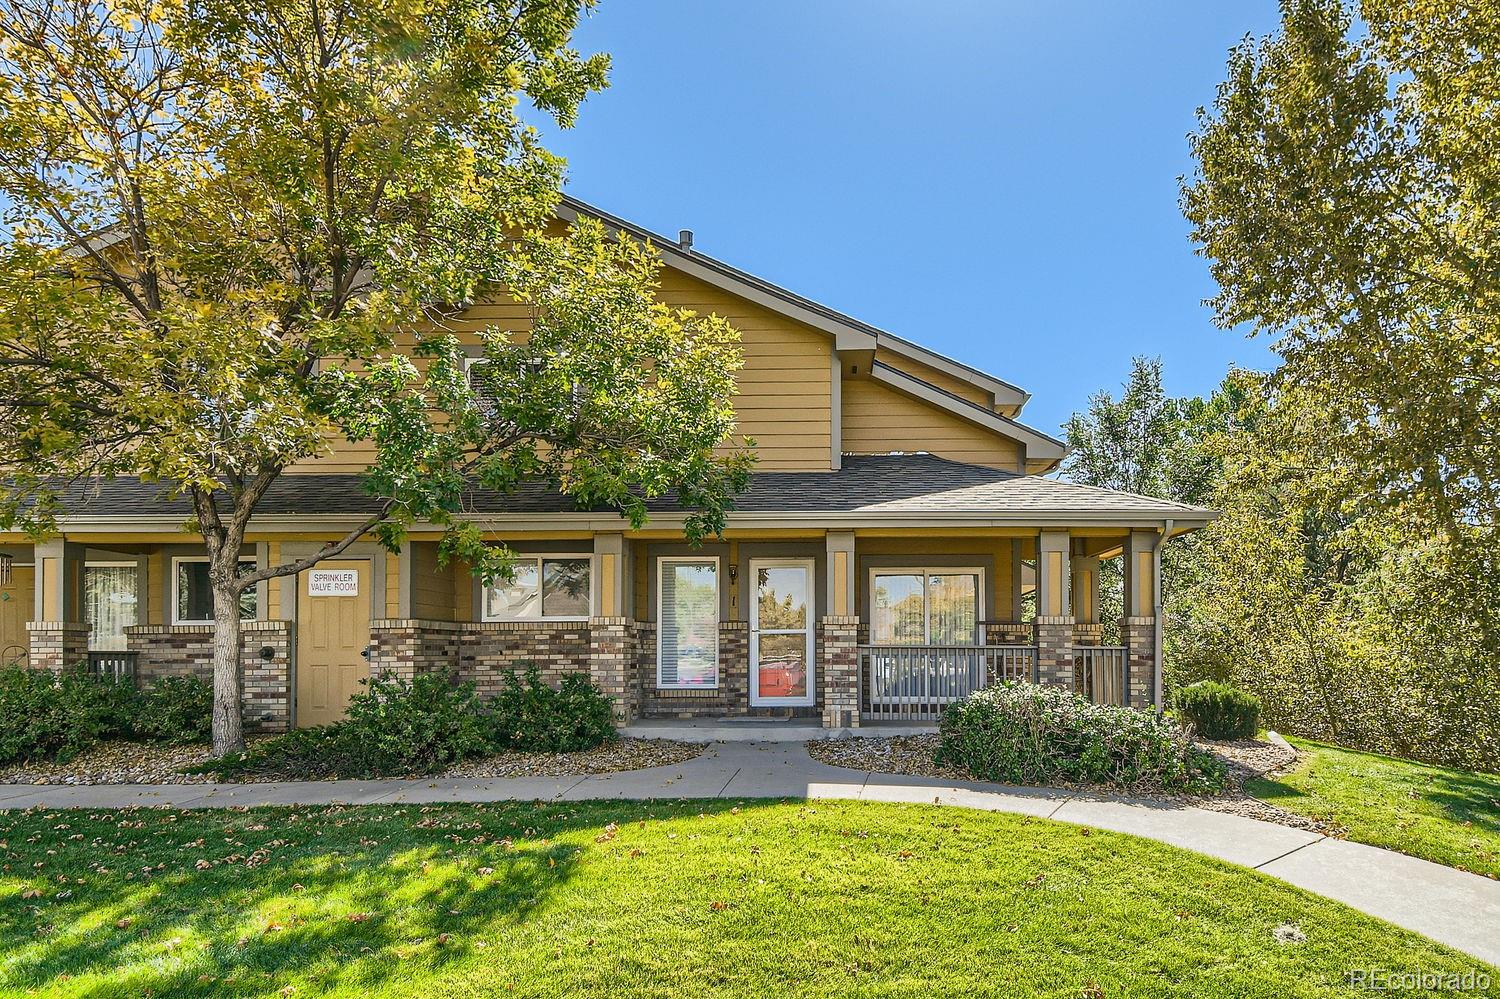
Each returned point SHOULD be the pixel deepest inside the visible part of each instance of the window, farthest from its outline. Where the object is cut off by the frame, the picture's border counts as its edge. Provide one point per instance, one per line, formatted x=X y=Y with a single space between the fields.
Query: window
x=109 y=603
x=925 y=606
x=687 y=633
x=544 y=588
x=194 y=602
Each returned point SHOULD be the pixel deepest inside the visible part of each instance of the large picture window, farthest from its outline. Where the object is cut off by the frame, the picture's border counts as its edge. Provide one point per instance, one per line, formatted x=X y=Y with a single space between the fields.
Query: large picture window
x=193 y=601
x=110 y=601
x=544 y=588
x=925 y=606
x=687 y=632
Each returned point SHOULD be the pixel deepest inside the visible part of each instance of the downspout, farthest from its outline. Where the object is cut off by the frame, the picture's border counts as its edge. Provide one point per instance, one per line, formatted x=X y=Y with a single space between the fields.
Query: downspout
x=1156 y=611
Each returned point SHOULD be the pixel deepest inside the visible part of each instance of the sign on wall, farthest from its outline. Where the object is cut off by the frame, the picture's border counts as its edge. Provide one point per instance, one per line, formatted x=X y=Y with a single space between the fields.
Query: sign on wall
x=333 y=582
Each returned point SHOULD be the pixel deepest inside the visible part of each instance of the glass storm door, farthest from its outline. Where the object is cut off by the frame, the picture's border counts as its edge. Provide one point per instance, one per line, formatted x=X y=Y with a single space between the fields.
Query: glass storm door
x=781 y=638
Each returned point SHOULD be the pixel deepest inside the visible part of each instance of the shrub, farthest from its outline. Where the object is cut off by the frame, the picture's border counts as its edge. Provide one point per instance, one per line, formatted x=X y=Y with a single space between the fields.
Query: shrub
x=43 y=716
x=301 y=754
x=1022 y=733
x=392 y=728
x=529 y=715
x=1218 y=711
x=417 y=727
x=176 y=710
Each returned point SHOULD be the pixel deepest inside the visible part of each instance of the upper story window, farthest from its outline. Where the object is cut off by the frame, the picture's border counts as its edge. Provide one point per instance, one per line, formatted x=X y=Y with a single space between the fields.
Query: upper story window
x=544 y=588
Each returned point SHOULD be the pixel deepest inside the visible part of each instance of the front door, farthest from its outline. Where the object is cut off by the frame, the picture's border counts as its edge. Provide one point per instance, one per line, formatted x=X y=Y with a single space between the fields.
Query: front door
x=17 y=599
x=781 y=638
x=333 y=638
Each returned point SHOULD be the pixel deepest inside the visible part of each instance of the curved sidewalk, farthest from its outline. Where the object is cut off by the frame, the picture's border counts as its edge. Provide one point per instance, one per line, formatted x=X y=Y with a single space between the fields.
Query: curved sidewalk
x=1452 y=907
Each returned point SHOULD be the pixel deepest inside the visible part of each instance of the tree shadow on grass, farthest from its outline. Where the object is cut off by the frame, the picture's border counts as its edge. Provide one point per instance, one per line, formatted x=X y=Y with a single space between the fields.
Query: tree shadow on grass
x=334 y=891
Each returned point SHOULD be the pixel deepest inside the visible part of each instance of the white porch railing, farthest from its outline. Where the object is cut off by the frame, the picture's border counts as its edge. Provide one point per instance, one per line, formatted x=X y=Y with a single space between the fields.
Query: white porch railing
x=1099 y=673
x=916 y=682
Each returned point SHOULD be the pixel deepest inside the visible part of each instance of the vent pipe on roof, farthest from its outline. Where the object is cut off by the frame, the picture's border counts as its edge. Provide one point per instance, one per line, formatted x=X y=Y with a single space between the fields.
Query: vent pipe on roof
x=685 y=240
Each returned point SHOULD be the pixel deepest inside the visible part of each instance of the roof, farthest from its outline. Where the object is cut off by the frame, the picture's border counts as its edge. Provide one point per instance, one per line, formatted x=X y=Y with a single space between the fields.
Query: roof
x=908 y=488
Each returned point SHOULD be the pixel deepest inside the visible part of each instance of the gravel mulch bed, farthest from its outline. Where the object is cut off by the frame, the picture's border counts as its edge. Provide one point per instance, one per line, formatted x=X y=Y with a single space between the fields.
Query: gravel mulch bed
x=137 y=763
x=623 y=754
x=1247 y=759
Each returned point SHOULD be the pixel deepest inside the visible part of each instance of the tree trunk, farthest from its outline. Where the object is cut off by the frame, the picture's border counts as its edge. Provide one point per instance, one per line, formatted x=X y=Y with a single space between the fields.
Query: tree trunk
x=228 y=724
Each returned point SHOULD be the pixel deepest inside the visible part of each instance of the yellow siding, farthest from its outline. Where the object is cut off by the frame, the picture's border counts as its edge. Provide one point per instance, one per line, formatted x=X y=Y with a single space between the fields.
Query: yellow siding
x=784 y=387
x=940 y=379
x=392 y=585
x=878 y=420
x=273 y=590
x=156 y=597
x=434 y=594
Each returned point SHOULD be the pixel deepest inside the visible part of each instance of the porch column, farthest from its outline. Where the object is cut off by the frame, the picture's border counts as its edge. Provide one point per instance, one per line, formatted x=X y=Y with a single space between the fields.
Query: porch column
x=841 y=572
x=1054 y=615
x=59 y=636
x=612 y=633
x=1138 y=627
x=1087 y=629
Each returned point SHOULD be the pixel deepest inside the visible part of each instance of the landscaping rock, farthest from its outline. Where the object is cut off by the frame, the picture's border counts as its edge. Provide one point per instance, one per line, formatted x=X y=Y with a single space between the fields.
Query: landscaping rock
x=138 y=763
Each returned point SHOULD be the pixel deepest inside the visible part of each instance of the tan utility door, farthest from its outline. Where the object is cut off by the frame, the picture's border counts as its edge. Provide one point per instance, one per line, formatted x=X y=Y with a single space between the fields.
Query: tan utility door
x=333 y=638
x=17 y=605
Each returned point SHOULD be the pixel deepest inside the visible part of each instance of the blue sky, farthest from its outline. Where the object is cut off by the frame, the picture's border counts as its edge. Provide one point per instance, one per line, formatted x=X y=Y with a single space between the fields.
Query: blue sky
x=995 y=179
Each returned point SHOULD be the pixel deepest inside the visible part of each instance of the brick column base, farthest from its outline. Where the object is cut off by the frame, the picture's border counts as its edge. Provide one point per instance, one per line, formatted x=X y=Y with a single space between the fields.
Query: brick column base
x=1054 y=651
x=57 y=645
x=612 y=665
x=838 y=670
x=1139 y=636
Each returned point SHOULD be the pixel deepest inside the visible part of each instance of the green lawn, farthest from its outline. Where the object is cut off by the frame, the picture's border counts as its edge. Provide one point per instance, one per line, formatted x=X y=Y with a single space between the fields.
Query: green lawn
x=1448 y=816
x=625 y=899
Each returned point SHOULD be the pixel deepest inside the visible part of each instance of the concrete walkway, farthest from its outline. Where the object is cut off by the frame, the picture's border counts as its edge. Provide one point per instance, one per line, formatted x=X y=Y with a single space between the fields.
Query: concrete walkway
x=1454 y=908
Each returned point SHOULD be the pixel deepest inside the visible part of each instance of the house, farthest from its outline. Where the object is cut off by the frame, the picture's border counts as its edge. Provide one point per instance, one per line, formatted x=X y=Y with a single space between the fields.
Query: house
x=899 y=523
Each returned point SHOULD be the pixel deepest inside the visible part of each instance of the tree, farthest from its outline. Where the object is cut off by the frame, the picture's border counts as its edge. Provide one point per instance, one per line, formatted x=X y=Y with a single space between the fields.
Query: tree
x=241 y=230
x=1345 y=197
x=1149 y=443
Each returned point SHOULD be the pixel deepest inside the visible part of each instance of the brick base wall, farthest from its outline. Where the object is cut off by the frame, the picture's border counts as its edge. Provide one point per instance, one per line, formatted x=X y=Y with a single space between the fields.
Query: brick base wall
x=1054 y=652
x=1088 y=634
x=187 y=650
x=731 y=697
x=838 y=669
x=56 y=645
x=406 y=648
x=491 y=649
x=1139 y=636
x=1008 y=633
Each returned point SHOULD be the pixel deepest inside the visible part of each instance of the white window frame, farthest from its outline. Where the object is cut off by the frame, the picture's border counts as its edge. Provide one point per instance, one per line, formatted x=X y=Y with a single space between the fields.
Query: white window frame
x=539 y=558
x=980 y=595
x=662 y=562
x=115 y=564
x=756 y=698
x=172 y=590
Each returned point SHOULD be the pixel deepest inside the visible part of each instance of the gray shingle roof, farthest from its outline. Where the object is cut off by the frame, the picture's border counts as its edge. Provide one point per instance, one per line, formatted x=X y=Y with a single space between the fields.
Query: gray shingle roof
x=867 y=484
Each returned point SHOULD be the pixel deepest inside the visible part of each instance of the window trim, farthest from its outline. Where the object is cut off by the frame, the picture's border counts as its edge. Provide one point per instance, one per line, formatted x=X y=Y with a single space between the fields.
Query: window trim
x=172 y=590
x=114 y=564
x=539 y=558
x=757 y=699
x=980 y=596
x=662 y=561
